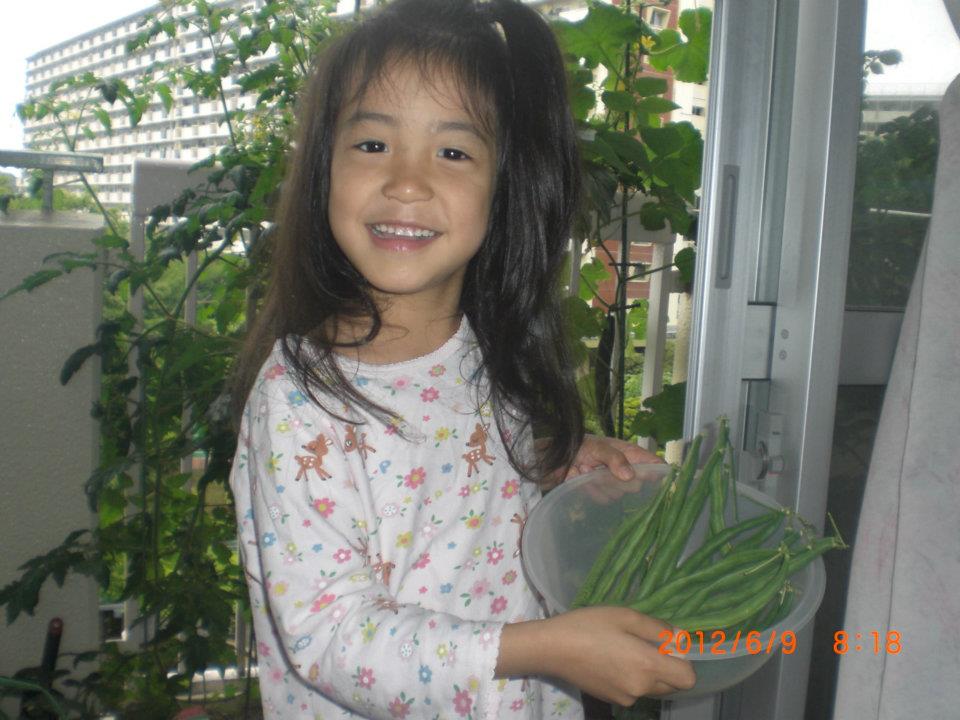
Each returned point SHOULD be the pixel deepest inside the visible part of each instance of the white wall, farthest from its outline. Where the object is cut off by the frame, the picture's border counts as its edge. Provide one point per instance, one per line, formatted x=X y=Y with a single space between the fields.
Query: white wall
x=48 y=440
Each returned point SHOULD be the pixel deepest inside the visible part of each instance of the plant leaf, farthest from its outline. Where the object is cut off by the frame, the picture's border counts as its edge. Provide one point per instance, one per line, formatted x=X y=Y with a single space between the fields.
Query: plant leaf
x=684 y=260
x=687 y=59
x=662 y=418
x=76 y=360
x=33 y=281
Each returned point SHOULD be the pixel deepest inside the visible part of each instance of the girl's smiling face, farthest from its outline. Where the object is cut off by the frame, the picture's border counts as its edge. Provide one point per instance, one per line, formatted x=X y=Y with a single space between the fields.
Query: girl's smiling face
x=412 y=180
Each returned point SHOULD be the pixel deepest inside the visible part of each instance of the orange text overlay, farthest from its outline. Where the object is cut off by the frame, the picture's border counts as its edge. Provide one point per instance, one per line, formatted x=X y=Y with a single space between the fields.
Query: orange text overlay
x=867 y=641
x=719 y=642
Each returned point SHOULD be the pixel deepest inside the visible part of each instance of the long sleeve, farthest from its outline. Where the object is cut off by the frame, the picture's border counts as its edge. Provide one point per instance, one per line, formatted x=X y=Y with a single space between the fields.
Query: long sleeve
x=383 y=562
x=336 y=620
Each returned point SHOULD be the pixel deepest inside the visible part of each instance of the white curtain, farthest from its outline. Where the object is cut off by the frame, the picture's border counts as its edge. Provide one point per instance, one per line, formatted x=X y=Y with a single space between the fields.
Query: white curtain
x=905 y=576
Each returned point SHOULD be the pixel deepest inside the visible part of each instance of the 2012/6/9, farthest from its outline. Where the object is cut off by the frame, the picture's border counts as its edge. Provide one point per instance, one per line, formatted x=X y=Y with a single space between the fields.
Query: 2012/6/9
x=682 y=642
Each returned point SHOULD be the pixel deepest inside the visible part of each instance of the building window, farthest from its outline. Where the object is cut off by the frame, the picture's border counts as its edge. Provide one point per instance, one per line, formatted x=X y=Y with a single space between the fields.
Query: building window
x=698 y=111
x=658 y=17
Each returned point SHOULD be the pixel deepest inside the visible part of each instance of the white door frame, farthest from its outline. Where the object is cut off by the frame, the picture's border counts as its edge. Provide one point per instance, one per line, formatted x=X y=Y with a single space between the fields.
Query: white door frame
x=779 y=169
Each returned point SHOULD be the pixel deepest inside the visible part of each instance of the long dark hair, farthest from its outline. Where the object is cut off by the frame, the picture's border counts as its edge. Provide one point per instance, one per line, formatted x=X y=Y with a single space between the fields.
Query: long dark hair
x=511 y=77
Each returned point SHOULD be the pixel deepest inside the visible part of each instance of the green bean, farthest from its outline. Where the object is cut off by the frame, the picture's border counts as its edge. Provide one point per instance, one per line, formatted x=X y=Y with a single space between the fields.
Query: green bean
x=760 y=621
x=740 y=609
x=764 y=533
x=783 y=607
x=813 y=551
x=718 y=498
x=607 y=553
x=731 y=562
x=775 y=611
x=731 y=466
x=679 y=531
x=634 y=570
x=702 y=556
x=745 y=582
x=629 y=546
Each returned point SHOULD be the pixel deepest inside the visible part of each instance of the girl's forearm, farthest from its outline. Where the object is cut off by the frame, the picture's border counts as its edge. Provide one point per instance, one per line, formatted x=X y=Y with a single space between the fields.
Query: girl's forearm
x=524 y=649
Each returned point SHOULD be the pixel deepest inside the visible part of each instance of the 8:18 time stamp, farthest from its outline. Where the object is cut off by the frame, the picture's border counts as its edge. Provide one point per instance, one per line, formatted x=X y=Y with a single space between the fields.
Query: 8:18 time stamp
x=874 y=641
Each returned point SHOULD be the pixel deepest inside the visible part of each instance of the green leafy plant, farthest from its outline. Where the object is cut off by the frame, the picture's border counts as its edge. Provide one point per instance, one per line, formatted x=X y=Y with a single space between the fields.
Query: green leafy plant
x=166 y=533
x=630 y=152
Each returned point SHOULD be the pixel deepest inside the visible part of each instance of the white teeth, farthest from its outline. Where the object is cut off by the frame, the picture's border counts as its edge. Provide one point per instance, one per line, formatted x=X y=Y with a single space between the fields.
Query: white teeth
x=382 y=229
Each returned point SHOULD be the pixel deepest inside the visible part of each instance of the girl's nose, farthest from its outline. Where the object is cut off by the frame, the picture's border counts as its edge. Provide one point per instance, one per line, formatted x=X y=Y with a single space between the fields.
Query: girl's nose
x=407 y=181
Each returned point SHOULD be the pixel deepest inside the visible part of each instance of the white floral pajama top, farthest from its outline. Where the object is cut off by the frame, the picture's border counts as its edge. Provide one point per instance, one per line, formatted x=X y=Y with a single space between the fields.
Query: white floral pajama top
x=381 y=570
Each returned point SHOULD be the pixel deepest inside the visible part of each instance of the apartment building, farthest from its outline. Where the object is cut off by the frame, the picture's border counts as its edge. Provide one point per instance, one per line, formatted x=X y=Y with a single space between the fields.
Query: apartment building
x=890 y=101
x=190 y=131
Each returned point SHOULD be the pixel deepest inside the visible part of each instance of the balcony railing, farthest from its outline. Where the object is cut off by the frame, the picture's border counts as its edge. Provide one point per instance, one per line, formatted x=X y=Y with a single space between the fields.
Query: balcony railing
x=50 y=163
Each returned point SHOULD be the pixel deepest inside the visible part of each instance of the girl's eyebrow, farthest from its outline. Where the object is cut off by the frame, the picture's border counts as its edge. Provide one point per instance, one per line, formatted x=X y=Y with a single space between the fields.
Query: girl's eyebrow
x=440 y=126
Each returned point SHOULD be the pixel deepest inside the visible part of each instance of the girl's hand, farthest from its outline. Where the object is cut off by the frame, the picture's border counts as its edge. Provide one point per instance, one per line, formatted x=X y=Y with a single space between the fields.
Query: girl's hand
x=616 y=454
x=609 y=652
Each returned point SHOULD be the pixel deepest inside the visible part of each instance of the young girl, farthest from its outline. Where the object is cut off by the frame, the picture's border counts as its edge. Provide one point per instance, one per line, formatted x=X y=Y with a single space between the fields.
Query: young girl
x=409 y=346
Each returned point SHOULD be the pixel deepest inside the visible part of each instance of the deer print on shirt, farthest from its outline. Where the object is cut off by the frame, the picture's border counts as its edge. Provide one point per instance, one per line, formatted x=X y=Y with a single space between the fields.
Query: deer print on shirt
x=350 y=443
x=478 y=441
x=318 y=447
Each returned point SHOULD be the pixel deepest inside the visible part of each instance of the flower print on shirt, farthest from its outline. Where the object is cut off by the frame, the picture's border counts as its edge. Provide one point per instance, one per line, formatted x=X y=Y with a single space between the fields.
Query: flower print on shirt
x=494 y=553
x=437 y=370
x=444 y=433
x=479 y=589
x=462 y=702
x=274 y=371
x=277 y=513
x=364 y=677
x=425 y=674
x=430 y=394
x=323 y=601
x=446 y=653
x=291 y=554
x=498 y=605
x=413 y=479
x=509 y=489
x=474 y=488
x=296 y=398
x=368 y=630
x=472 y=520
x=273 y=464
x=431 y=528
x=398 y=384
x=291 y=424
x=400 y=706
x=324 y=506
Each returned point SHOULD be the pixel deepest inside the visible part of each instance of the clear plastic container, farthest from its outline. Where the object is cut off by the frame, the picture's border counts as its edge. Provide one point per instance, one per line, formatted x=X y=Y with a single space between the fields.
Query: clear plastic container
x=567 y=529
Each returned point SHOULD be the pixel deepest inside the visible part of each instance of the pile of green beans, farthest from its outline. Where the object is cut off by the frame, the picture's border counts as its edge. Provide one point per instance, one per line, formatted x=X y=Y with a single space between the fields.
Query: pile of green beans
x=737 y=579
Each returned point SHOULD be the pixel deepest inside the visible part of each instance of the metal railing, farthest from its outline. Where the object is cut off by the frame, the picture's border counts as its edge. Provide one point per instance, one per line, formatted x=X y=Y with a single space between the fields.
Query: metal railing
x=50 y=163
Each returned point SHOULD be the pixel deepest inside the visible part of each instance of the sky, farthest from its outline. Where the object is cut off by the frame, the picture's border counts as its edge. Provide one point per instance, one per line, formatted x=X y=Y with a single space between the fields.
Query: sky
x=925 y=36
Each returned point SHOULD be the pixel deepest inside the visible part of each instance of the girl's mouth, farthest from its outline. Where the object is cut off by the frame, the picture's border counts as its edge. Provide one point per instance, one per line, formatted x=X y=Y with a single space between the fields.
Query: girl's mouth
x=389 y=231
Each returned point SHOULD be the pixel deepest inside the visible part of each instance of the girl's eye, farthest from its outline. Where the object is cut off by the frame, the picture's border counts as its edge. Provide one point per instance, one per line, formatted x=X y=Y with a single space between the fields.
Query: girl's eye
x=453 y=154
x=371 y=146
